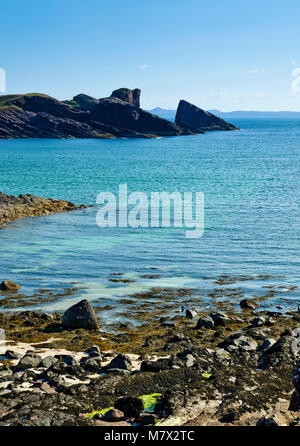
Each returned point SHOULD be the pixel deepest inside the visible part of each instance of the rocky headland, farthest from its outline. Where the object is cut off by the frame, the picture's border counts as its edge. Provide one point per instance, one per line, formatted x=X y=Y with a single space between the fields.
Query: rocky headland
x=27 y=205
x=190 y=117
x=37 y=115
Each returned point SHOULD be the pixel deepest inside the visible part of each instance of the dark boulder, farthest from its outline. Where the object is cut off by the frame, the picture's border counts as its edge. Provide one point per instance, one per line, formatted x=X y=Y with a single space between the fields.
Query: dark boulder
x=8 y=285
x=193 y=118
x=30 y=360
x=120 y=362
x=130 y=406
x=81 y=315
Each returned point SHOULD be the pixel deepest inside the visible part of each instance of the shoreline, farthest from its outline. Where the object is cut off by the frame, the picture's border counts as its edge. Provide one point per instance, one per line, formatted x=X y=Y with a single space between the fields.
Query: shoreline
x=232 y=373
x=27 y=205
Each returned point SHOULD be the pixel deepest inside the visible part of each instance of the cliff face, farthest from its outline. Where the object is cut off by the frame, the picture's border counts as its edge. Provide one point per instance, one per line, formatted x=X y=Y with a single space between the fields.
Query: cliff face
x=40 y=116
x=195 y=119
x=131 y=96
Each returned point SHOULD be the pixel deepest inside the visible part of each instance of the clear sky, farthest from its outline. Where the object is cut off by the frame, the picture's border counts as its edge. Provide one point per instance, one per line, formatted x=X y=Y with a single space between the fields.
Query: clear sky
x=230 y=55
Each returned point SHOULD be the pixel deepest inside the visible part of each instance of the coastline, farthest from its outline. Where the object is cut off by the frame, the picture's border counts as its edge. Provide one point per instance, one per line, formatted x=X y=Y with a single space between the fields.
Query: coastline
x=27 y=205
x=234 y=372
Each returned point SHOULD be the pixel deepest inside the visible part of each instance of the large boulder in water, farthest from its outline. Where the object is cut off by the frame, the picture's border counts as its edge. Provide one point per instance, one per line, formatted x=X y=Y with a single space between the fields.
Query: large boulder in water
x=81 y=315
x=8 y=285
x=127 y=95
x=193 y=118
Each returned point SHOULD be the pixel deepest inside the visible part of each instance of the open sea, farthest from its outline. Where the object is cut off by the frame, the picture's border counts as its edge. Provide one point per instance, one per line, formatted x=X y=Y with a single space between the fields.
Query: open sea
x=251 y=182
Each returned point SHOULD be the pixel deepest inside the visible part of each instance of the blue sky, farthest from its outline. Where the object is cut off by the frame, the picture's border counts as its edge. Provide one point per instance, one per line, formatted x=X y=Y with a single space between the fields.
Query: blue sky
x=233 y=54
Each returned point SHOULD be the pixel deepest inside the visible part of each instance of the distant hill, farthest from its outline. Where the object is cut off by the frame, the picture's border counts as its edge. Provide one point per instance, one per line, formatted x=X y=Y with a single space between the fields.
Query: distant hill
x=170 y=114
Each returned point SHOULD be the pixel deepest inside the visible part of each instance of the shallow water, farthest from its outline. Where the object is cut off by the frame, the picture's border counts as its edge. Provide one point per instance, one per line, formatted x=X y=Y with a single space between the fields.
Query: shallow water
x=251 y=184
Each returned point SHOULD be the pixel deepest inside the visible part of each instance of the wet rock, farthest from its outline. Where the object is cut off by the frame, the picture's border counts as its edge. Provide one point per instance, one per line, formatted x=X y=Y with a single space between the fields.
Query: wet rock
x=130 y=406
x=241 y=343
x=146 y=419
x=120 y=362
x=118 y=372
x=190 y=313
x=221 y=319
x=267 y=421
x=206 y=322
x=81 y=315
x=170 y=403
x=30 y=360
x=61 y=368
x=94 y=351
x=8 y=285
x=92 y=365
x=295 y=398
x=156 y=366
x=258 y=321
x=113 y=415
x=67 y=359
x=10 y=354
x=278 y=354
x=267 y=343
x=48 y=361
x=248 y=304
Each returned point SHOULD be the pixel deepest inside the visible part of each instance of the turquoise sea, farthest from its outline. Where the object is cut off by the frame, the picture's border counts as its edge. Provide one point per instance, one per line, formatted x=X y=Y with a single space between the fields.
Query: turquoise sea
x=251 y=182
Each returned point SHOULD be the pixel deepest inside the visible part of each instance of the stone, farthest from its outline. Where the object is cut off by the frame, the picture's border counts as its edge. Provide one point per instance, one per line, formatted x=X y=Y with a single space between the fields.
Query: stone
x=113 y=415
x=206 y=322
x=48 y=361
x=242 y=343
x=156 y=366
x=29 y=360
x=248 y=304
x=190 y=313
x=258 y=322
x=92 y=365
x=146 y=419
x=120 y=362
x=267 y=343
x=220 y=319
x=193 y=118
x=10 y=354
x=264 y=421
x=130 y=406
x=81 y=315
x=8 y=285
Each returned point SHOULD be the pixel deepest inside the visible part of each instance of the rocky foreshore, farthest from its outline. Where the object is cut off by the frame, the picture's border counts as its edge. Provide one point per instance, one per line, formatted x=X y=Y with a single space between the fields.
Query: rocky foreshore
x=12 y=208
x=213 y=368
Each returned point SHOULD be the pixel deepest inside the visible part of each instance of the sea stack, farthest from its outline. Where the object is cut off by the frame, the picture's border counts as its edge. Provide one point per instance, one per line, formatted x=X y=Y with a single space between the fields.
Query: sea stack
x=190 y=117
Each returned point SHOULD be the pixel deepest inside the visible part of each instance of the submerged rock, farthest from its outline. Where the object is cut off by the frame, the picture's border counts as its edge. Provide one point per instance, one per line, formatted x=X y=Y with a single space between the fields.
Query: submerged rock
x=81 y=315
x=193 y=118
